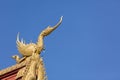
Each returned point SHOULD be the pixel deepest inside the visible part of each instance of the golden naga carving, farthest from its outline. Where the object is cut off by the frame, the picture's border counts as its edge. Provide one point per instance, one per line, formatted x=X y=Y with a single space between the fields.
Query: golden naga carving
x=34 y=69
x=28 y=49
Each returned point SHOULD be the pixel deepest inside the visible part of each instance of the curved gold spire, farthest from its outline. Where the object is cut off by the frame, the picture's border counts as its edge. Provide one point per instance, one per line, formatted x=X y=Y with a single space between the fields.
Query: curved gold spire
x=28 y=49
x=49 y=29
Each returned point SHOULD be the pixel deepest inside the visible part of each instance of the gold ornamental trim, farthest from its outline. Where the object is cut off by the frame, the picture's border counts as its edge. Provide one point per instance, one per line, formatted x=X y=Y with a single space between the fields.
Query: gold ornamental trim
x=14 y=67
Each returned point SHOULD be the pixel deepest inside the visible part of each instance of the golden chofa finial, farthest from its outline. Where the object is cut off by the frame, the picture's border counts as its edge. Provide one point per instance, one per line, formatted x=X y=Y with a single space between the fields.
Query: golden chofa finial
x=49 y=29
x=34 y=68
x=28 y=49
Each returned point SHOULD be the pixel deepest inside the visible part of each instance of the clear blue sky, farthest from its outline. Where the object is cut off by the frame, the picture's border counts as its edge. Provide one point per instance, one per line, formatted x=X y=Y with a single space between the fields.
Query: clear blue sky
x=85 y=47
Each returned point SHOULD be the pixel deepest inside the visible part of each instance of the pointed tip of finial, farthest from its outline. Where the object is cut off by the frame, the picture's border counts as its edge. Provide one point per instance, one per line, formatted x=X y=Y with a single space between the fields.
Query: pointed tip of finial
x=18 y=33
x=18 y=36
x=61 y=17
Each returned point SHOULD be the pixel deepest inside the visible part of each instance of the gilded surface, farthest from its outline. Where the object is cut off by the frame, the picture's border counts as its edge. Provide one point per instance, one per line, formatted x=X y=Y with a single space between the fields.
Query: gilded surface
x=28 y=49
x=34 y=69
x=14 y=67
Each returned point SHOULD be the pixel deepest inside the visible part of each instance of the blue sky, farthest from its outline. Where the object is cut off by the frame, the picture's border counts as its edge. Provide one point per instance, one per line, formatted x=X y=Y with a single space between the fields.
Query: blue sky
x=86 y=46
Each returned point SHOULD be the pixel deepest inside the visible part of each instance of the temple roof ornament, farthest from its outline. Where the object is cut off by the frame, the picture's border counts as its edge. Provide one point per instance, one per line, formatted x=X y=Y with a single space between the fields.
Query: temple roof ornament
x=28 y=49
x=30 y=66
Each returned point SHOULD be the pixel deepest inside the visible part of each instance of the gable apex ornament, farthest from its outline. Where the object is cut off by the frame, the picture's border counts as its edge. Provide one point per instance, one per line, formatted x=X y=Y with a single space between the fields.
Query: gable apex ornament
x=30 y=66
